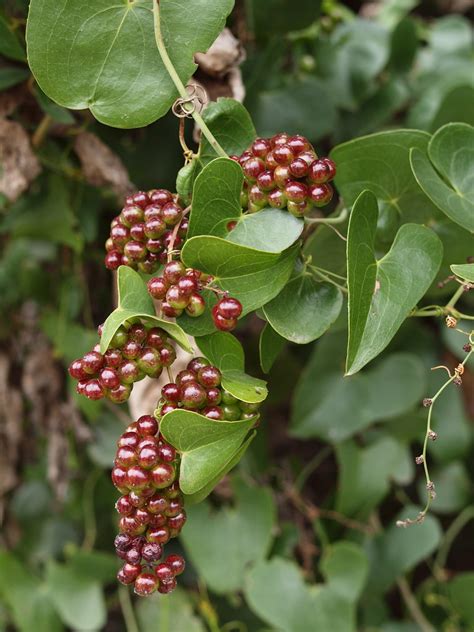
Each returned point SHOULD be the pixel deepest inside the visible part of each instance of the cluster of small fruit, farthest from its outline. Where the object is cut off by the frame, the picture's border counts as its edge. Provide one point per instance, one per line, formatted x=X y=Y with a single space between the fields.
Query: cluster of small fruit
x=198 y=388
x=179 y=289
x=149 y=225
x=134 y=352
x=285 y=172
x=151 y=508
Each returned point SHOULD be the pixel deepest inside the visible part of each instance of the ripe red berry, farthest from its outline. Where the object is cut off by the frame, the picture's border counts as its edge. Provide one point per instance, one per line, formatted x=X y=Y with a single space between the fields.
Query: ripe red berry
x=187 y=285
x=119 y=479
x=213 y=412
x=319 y=172
x=167 y=587
x=76 y=371
x=125 y=457
x=298 y=168
x=112 y=358
x=135 y=250
x=298 y=144
x=321 y=194
x=172 y=213
x=176 y=563
x=167 y=354
x=170 y=392
x=145 y=584
x=167 y=453
x=157 y=504
x=223 y=324
x=129 y=372
x=113 y=260
x=128 y=573
x=109 y=378
x=197 y=363
x=173 y=271
x=162 y=475
x=193 y=395
x=196 y=305
x=164 y=572
x=160 y=196
x=122 y=542
x=148 y=457
x=277 y=199
x=209 y=376
x=124 y=506
x=156 y=337
x=152 y=552
x=253 y=167
x=92 y=362
x=229 y=307
x=295 y=191
x=119 y=234
x=283 y=154
x=141 y=199
x=137 y=232
x=213 y=396
x=331 y=166
x=154 y=228
x=175 y=298
x=120 y=394
x=157 y=287
x=149 y=362
x=147 y=425
x=137 y=478
x=159 y=535
x=260 y=147
x=93 y=390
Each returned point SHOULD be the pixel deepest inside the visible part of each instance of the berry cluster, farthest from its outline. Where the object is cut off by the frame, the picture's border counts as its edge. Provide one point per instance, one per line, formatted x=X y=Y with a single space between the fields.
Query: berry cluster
x=198 y=388
x=179 y=290
x=133 y=353
x=151 y=508
x=149 y=225
x=285 y=172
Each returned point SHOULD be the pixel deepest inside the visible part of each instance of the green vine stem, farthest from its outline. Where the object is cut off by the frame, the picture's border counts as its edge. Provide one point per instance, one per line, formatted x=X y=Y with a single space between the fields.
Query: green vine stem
x=179 y=84
x=128 y=613
x=448 y=309
x=430 y=435
x=451 y=534
x=339 y=219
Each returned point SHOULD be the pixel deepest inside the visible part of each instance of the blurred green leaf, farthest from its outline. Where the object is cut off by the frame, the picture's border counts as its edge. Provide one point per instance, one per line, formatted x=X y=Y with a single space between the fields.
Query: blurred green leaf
x=12 y=76
x=460 y=590
x=10 y=45
x=453 y=488
x=218 y=542
x=403 y=45
x=398 y=550
x=77 y=598
x=168 y=613
x=49 y=107
x=304 y=310
x=452 y=34
x=270 y=346
x=283 y=16
x=104 y=446
x=27 y=597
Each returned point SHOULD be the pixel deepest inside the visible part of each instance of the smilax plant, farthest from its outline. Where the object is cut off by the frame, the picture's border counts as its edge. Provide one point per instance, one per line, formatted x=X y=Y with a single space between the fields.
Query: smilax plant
x=240 y=236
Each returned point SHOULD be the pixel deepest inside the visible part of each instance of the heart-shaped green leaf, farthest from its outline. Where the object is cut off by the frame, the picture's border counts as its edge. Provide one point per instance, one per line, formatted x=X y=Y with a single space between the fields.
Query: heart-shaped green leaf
x=102 y=54
x=134 y=302
x=206 y=446
x=446 y=173
x=464 y=271
x=217 y=542
x=269 y=230
x=216 y=198
x=304 y=309
x=380 y=162
x=225 y=352
x=252 y=276
x=390 y=287
x=276 y=592
x=270 y=345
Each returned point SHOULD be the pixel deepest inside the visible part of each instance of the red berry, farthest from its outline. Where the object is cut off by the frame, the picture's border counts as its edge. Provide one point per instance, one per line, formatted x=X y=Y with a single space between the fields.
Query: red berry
x=157 y=287
x=321 y=194
x=149 y=362
x=279 y=139
x=185 y=376
x=93 y=390
x=168 y=408
x=145 y=584
x=187 y=285
x=148 y=457
x=283 y=155
x=154 y=228
x=298 y=209
x=298 y=144
x=319 y=172
x=172 y=213
x=266 y=181
x=152 y=552
x=223 y=324
x=156 y=337
x=122 y=542
x=129 y=372
x=229 y=308
x=167 y=587
x=176 y=299
x=135 y=250
x=113 y=260
x=125 y=457
x=331 y=167
x=141 y=199
x=160 y=196
x=213 y=396
x=170 y=311
x=298 y=168
x=112 y=358
x=137 y=232
x=209 y=376
x=196 y=305
x=124 y=506
x=295 y=191
x=128 y=440
x=157 y=504
x=277 y=199
x=109 y=378
x=137 y=478
x=260 y=147
x=281 y=175
x=176 y=523
x=119 y=478
x=176 y=563
x=142 y=516
x=147 y=426
x=193 y=395
x=170 y=392
x=76 y=371
x=197 y=363
x=164 y=572
x=120 y=394
x=167 y=453
x=131 y=215
x=173 y=271
x=167 y=355
x=162 y=475
x=92 y=362
x=119 y=234
x=159 y=535
x=213 y=412
x=253 y=167
x=128 y=573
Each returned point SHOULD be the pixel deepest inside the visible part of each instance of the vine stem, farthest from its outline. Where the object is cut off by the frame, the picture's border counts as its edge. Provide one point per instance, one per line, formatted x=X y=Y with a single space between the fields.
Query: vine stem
x=339 y=219
x=323 y=276
x=126 y=606
x=413 y=607
x=178 y=83
x=451 y=533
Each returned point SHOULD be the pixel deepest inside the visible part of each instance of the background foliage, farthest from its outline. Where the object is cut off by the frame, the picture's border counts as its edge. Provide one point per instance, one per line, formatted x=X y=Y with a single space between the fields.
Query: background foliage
x=301 y=536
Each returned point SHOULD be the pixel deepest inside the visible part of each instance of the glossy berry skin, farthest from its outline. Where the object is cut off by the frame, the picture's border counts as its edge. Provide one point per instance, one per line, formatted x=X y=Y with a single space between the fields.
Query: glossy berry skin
x=129 y=573
x=176 y=563
x=229 y=307
x=145 y=584
x=209 y=376
x=193 y=395
x=167 y=587
x=196 y=306
x=164 y=572
x=221 y=323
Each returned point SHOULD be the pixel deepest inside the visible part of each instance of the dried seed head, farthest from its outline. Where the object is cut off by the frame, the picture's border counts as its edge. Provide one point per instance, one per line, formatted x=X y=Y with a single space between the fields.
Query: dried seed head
x=419 y=459
x=457 y=381
x=467 y=348
x=451 y=322
x=432 y=435
x=427 y=402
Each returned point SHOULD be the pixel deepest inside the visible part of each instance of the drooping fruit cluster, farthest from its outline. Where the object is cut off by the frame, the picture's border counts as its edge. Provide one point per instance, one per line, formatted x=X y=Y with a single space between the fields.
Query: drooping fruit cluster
x=145 y=230
x=151 y=508
x=179 y=289
x=285 y=172
x=134 y=352
x=198 y=388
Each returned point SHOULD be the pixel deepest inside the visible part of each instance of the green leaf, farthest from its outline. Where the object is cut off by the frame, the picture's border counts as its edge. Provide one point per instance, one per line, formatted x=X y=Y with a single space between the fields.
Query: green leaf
x=365 y=474
x=404 y=44
x=27 y=597
x=46 y=215
x=284 y=18
x=216 y=198
x=464 y=271
x=218 y=542
x=135 y=302
x=448 y=180
x=276 y=592
x=380 y=163
x=103 y=448
x=304 y=309
x=78 y=599
x=197 y=497
x=204 y=324
x=332 y=407
x=56 y=112
x=269 y=230
x=453 y=488
x=252 y=276
x=270 y=346
x=12 y=76
x=9 y=44
x=460 y=590
x=397 y=551
x=301 y=107
x=225 y=352
x=382 y=293
x=206 y=446
x=455 y=106
x=168 y=613
x=102 y=54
